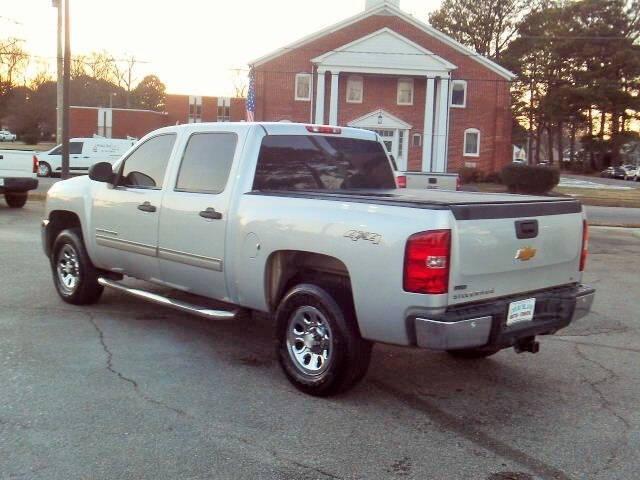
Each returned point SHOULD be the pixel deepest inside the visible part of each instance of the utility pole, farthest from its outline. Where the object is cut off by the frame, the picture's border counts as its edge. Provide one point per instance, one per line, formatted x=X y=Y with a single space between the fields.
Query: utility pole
x=56 y=4
x=65 y=93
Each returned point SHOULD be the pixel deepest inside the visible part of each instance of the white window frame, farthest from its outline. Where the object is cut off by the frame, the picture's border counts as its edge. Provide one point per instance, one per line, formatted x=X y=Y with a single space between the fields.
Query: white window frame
x=453 y=84
x=410 y=81
x=464 y=147
x=299 y=77
x=357 y=79
x=417 y=136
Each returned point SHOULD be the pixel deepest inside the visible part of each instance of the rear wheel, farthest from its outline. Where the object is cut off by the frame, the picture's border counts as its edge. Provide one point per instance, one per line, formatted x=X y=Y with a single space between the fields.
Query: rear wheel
x=16 y=200
x=74 y=276
x=473 y=353
x=44 y=169
x=318 y=343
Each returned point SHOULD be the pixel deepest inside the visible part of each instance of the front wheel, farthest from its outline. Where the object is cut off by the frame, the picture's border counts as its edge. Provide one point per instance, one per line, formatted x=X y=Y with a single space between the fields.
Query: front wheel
x=318 y=343
x=74 y=276
x=16 y=200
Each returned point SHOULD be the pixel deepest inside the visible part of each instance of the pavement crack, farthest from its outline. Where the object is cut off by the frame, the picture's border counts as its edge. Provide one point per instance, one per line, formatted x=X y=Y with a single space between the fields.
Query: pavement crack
x=606 y=404
x=130 y=381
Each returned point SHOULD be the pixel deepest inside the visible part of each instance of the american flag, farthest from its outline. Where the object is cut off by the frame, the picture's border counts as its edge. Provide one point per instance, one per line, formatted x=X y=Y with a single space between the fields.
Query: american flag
x=251 y=97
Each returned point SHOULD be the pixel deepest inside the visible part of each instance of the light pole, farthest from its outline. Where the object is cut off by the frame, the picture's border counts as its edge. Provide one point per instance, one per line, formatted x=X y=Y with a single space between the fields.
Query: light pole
x=65 y=91
x=60 y=64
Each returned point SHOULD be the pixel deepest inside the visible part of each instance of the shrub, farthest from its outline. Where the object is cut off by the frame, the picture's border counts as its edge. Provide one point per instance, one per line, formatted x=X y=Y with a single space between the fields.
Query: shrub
x=469 y=175
x=30 y=138
x=530 y=179
x=493 y=177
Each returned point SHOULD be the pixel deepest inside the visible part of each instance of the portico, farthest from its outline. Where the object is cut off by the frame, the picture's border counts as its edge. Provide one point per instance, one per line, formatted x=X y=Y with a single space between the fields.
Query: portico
x=385 y=52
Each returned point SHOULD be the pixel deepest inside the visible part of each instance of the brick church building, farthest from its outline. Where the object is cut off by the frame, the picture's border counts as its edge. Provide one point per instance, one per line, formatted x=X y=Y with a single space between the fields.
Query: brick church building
x=437 y=105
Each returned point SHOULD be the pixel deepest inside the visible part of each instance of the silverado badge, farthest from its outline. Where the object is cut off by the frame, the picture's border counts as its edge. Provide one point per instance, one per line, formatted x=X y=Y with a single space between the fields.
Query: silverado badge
x=526 y=254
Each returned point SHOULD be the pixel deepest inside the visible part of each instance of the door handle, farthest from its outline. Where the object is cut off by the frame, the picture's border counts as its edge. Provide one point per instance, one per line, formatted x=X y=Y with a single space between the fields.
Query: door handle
x=147 y=207
x=211 y=214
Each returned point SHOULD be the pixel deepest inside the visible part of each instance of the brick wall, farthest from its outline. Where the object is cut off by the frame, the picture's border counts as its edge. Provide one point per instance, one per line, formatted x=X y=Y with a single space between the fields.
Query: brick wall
x=487 y=94
x=134 y=123
x=83 y=122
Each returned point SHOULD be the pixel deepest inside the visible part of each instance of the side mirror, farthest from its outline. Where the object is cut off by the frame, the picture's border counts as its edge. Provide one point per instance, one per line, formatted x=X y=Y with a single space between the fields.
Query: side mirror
x=102 y=172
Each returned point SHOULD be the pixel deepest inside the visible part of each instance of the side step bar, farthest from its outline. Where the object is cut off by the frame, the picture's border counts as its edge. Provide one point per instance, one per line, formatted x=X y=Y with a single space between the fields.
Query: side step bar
x=168 y=302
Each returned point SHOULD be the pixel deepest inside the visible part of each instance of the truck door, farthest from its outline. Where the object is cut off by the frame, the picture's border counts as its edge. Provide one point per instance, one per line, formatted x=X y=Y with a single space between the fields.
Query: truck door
x=126 y=217
x=194 y=216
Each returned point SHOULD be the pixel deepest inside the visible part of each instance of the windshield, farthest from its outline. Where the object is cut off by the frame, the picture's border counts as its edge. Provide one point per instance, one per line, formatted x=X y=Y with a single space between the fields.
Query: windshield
x=315 y=162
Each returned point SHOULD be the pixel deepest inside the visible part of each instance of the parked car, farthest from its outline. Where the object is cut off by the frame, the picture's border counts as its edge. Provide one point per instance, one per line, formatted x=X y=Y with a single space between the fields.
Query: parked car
x=305 y=223
x=617 y=172
x=7 y=136
x=632 y=172
x=17 y=177
x=607 y=172
x=83 y=152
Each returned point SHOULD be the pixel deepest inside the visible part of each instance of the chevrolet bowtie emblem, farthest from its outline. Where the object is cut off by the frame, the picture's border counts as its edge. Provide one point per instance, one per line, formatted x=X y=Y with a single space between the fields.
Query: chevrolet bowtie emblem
x=526 y=254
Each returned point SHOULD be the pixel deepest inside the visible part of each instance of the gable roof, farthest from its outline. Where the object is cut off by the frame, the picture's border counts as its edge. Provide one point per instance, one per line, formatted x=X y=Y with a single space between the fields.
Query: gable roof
x=389 y=9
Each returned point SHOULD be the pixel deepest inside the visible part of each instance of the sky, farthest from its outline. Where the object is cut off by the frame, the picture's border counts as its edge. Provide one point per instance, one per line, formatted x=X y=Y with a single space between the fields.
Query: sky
x=192 y=45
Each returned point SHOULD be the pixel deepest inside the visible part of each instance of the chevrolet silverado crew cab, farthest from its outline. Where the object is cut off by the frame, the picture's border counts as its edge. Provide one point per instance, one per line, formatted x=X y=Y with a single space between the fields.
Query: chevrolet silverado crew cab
x=18 y=175
x=305 y=223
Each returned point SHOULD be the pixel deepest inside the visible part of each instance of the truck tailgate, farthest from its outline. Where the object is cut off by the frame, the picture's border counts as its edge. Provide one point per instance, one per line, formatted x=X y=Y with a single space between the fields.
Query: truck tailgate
x=496 y=257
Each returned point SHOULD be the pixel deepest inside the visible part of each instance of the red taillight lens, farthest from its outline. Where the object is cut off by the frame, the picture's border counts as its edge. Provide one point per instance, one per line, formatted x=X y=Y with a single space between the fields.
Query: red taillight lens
x=585 y=246
x=426 y=262
x=35 y=164
x=324 y=129
x=401 y=181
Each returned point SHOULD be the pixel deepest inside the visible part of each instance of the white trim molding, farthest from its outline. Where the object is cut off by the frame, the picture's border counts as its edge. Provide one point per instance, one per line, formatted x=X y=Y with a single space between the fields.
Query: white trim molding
x=389 y=9
x=464 y=147
x=299 y=77
x=453 y=86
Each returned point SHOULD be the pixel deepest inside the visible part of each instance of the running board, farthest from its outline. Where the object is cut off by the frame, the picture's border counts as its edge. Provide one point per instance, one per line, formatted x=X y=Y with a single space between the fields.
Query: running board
x=168 y=302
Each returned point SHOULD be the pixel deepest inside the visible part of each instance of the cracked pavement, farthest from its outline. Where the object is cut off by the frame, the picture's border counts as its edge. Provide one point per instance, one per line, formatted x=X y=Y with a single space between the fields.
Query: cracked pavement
x=128 y=390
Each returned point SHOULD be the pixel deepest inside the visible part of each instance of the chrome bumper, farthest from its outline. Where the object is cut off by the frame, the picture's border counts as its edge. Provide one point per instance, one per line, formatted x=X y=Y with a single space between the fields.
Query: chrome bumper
x=477 y=332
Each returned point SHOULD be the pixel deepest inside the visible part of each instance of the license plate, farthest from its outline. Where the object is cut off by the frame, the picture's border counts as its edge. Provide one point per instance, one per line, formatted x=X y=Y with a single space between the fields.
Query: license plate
x=521 y=311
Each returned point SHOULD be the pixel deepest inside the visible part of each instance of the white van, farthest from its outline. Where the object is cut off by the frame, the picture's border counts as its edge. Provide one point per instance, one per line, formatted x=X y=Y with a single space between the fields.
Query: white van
x=83 y=153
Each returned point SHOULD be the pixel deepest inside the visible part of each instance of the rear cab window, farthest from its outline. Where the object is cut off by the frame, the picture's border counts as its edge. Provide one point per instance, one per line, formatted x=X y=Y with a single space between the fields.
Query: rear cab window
x=317 y=162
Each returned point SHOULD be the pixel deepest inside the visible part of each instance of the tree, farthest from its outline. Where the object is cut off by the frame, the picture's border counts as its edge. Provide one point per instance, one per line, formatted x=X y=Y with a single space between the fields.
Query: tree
x=13 y=62
x=486 y=26
x=124 y=74
x=150 y=94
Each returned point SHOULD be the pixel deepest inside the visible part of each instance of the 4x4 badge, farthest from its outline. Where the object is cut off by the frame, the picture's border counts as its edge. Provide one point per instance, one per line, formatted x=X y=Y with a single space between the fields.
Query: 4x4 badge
x=526 y=254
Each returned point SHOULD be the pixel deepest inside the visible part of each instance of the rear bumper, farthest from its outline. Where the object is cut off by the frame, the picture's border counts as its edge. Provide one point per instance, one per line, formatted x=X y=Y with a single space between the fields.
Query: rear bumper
x=18 y=185
x=484 y=325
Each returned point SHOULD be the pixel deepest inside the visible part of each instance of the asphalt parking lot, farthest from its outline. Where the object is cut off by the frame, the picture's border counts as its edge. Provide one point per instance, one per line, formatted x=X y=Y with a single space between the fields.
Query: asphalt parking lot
x=128 y=390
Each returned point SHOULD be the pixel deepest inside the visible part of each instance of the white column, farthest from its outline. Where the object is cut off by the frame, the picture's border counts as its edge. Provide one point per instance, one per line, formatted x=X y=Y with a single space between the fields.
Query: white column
x=405 y=150
x=320 y=98
x=427 y=138
x=333 y=105
x=396 y=148
x=440 y=163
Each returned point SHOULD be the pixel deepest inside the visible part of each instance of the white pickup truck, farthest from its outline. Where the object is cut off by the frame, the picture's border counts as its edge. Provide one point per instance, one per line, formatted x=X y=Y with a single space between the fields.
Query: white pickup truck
x=18 y=175
x=305 y=223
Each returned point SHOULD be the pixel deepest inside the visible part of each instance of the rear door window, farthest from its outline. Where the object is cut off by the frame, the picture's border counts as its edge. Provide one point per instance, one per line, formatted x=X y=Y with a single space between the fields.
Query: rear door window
x=314 y=162
x=206 y=163
x=75 y=148
x=146 y=166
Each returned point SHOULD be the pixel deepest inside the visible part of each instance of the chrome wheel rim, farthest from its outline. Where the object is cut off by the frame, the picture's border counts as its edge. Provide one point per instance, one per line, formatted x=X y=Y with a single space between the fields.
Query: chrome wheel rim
x=68 y=269
x=43 y=170
x=309 y=341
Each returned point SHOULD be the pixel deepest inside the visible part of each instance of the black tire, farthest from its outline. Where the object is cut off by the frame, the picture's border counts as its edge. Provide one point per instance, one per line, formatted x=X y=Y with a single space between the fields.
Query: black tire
x=86 y=290
x=350 y=354
x=473 y=353
x=46 y=169
x=16 y=200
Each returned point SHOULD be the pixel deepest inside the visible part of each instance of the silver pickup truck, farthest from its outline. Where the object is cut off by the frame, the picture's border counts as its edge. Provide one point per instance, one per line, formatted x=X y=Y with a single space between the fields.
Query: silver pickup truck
x=306 y=224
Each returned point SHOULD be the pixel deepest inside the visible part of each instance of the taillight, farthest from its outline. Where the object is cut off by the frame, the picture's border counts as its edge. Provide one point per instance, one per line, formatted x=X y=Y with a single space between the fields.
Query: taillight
x=401 y=181
x=585 y=246
x=324 y=129
x=35 y=164
x=426 y=262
